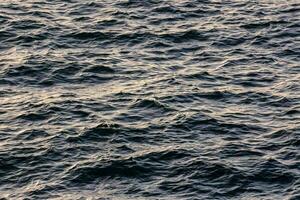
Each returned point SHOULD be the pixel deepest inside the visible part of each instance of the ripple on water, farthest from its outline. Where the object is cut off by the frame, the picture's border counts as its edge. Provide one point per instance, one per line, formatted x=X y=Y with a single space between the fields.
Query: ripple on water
x=149 y=100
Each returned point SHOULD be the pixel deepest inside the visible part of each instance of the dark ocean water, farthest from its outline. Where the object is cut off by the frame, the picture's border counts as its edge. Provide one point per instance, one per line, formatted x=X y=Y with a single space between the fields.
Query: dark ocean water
x=186 y=99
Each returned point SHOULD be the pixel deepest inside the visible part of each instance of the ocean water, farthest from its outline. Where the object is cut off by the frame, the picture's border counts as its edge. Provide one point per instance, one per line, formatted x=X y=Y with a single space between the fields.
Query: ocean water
x=133 y=99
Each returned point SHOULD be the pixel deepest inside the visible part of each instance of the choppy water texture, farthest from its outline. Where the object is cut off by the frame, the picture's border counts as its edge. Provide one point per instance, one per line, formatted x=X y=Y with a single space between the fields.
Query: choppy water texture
x=150 y=99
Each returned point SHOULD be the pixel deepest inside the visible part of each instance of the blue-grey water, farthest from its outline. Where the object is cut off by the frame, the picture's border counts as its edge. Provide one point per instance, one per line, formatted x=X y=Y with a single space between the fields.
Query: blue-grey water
x=133 y=99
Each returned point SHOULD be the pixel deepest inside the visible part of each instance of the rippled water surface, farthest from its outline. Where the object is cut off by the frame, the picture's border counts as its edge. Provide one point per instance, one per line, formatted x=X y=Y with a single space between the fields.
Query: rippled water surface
x=179 y=99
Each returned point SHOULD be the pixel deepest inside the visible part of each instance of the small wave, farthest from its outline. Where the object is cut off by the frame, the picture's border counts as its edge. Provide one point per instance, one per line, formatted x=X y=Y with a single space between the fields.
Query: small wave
x=32 y=134
x=149 y=103
x=34 y=116
x=137 y=165
x=102 y=132
x=99 y=69
x=88 y=35
x=263 y=24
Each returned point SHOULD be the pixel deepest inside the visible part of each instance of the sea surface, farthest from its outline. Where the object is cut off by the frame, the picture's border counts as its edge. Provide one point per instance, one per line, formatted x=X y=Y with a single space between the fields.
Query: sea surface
x=150 y=99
